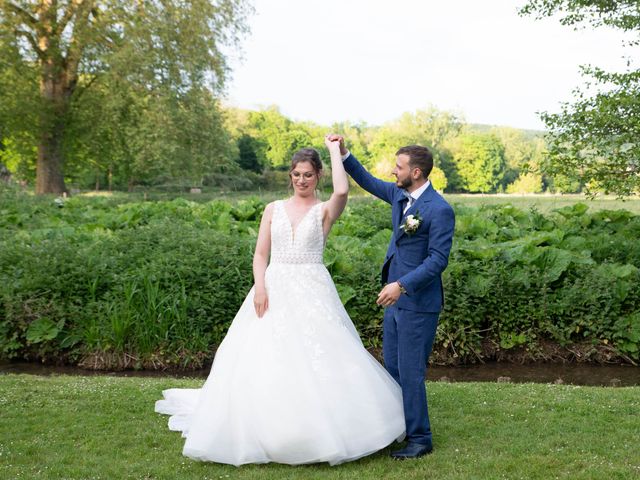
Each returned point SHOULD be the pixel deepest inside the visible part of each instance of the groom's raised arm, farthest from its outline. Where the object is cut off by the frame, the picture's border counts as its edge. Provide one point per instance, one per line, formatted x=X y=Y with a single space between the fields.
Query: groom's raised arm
x=381 y=189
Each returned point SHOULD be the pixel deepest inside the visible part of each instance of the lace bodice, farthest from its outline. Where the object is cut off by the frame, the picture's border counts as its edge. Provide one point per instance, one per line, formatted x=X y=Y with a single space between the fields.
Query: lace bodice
x=305 y=244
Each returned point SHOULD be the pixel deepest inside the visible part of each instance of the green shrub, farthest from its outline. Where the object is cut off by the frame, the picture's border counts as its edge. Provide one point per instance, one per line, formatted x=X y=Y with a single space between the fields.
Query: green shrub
x=109 y=282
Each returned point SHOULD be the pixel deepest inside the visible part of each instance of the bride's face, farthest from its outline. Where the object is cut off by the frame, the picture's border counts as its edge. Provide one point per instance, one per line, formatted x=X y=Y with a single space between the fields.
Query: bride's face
x=304 y=178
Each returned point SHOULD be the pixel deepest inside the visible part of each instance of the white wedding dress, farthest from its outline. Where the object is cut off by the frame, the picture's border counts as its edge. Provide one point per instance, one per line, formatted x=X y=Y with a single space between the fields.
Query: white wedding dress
x=297 y=385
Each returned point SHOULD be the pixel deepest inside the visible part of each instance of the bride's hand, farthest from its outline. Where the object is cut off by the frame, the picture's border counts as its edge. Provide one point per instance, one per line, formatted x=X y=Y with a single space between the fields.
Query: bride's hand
x=332 y=142
x=260 y=302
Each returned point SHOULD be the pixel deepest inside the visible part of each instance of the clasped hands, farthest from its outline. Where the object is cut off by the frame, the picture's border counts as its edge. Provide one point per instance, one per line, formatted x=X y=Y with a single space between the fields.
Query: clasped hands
x=331 y=139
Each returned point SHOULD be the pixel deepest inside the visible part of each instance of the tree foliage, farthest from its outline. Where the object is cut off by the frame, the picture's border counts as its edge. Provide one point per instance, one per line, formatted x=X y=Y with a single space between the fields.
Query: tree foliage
x=480 y=163
x=429 y=127
x=621 y=14
x=595 y=138
x=273 y=137
x=149 y=60
x=521 y=152
x=526 y=183
x=18 y=108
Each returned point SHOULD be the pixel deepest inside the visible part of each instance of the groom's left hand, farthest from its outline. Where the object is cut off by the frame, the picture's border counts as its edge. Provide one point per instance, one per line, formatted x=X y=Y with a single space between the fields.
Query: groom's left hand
x=389 y=294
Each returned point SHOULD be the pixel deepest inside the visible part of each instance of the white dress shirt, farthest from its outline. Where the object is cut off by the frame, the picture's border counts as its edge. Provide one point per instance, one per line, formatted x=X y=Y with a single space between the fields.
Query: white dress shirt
x=416 y=195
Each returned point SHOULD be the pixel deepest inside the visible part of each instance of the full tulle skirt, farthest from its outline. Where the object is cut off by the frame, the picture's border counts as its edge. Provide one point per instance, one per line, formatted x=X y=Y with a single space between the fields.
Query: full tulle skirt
x=295 y=386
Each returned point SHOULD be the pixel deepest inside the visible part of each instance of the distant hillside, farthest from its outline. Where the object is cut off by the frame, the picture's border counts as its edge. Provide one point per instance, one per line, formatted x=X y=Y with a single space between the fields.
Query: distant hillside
x=483 y=128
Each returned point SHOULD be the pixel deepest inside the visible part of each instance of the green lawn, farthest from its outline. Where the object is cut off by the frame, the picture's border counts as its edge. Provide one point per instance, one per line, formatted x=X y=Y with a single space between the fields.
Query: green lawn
x=105 y=428
x=545 y=203
x=542 y=202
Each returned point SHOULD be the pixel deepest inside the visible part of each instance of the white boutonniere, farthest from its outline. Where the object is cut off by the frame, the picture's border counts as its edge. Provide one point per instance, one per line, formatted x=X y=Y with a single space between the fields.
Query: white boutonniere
x=411 y=223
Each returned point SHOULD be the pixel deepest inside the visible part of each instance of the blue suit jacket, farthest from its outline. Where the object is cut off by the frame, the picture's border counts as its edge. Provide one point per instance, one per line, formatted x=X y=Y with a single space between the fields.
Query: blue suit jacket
x=417 y=260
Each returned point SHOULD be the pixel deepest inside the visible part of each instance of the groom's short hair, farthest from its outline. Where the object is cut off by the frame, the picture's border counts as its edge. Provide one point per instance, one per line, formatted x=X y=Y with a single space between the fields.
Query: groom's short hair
x=419 y=157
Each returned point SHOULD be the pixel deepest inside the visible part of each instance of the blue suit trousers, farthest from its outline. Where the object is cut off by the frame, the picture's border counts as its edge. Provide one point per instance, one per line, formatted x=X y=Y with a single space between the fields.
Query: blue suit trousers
x=406 y=344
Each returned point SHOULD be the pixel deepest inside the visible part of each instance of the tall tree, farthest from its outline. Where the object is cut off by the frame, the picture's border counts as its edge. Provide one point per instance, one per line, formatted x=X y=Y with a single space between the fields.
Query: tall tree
x=430 y=127
x=356 y=137
x=480 y=162
x=248 y=155
x=73 y=43
x=521 y=152
x=595 y=138
x=279 y=136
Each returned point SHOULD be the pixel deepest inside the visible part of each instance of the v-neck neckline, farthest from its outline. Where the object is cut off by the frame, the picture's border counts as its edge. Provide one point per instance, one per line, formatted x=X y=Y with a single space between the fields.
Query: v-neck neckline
x=306 y=214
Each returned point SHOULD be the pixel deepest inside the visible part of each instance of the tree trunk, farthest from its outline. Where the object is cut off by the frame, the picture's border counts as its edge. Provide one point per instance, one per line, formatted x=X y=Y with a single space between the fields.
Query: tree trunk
x=49 y=167
x=55 y=92
x=58 y=79
x=5 y=174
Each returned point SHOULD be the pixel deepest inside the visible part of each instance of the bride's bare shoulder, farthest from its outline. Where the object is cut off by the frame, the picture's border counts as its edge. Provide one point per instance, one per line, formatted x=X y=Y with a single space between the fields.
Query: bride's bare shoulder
x=268 y=210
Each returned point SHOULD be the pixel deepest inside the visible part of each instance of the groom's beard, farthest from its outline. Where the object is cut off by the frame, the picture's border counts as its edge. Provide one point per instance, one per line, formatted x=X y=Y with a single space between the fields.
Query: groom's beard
x=405 y=184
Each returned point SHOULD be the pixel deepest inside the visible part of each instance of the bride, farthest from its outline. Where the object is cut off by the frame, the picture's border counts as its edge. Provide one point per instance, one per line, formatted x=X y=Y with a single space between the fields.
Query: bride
x=291 y=382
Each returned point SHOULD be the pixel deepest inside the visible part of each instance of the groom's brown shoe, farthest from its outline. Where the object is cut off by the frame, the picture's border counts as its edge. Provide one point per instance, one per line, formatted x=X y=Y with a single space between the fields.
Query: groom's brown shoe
x=412 y=450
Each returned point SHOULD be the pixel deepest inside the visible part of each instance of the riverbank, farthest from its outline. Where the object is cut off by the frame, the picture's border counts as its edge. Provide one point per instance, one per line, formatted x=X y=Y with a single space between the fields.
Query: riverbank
x=556 y=373
x=104 y=427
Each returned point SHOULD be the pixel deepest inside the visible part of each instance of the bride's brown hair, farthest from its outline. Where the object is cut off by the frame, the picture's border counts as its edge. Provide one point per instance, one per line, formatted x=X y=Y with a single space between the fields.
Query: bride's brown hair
x=307 y=155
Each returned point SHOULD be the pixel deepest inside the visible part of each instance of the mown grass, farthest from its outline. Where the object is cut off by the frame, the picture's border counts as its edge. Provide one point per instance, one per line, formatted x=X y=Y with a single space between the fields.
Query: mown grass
x=546 y=202
x=105 y=428
x=543 y=202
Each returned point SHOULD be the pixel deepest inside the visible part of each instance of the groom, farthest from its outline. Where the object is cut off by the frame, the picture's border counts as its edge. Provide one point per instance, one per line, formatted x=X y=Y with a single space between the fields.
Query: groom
x=423 y=224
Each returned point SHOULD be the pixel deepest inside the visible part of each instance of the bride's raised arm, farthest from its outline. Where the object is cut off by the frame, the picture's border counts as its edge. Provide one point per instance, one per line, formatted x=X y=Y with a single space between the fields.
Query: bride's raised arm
x=338 y=200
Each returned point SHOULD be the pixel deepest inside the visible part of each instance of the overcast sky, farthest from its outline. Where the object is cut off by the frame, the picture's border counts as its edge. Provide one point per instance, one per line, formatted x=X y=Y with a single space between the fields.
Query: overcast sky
x=371 y=60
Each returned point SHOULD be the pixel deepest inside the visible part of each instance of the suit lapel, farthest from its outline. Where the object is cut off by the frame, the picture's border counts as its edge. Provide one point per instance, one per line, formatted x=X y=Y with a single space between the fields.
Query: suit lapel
x=418 y=206
x=399 y=217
